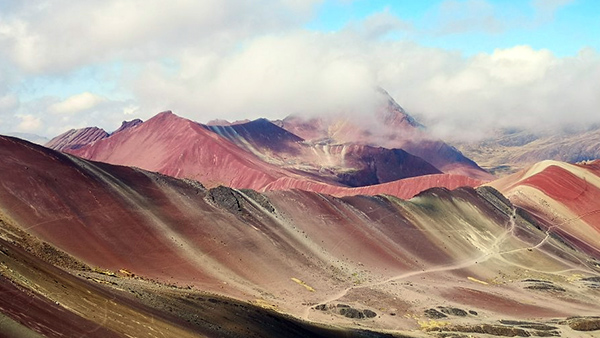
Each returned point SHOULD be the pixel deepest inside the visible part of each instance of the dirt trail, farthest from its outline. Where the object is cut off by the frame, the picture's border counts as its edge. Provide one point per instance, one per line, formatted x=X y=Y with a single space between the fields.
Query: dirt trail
x=494 y=252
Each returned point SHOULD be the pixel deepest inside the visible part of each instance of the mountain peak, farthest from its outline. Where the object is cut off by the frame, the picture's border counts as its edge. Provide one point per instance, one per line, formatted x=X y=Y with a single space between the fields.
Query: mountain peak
x=393 y=114
x=128 y=125
x=76 y=138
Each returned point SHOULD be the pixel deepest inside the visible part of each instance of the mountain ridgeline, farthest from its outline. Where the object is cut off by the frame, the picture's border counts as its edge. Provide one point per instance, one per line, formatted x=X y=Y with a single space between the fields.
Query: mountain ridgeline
x=301 y=227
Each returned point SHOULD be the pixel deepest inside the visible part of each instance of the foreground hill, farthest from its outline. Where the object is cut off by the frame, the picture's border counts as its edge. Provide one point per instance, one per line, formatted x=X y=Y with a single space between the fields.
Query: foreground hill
x=564 y=197
x=121 y=251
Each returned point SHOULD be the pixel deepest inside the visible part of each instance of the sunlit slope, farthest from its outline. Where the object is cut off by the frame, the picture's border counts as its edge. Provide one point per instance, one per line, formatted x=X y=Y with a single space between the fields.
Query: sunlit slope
x=182 y=148
x=300 y=252
x=564 y=197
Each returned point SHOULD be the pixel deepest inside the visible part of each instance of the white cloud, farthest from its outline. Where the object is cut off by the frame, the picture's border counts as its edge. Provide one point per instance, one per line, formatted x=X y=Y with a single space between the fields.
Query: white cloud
x=273 y=76
x=29 y=123
x=76 y=103
x=518 y=86
x=222 y=59
x=380 y=24
x=62 y=35
x=314 y=73
x=8 y=103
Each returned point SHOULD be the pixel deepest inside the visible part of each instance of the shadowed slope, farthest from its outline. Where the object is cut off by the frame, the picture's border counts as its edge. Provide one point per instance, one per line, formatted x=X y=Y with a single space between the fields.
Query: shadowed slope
x=391 y=127
x=41 y=299
x=259 y=135
x=347 y=164
x=300 y=252
x=415 y=141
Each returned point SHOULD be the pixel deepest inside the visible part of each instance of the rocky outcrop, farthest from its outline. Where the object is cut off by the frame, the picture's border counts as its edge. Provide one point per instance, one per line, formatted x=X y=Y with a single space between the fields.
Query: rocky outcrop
x=347 y=311
x=584 y=323
x=128 y=125
x=76 y=138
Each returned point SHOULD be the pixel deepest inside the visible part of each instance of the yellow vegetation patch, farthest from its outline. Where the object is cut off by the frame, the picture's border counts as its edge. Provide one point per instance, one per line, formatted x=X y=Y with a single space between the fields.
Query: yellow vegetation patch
x=432 y=324
x=574 y=277
x=473 y=279
x=100 y=281
x=105 y=272
x=308 y=287
x=126 y=273
x=264 y=304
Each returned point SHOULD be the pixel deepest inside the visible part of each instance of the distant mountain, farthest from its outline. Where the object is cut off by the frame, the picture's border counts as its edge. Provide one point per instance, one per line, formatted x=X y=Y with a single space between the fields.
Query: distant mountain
x=248 y=155
x=507 y=151
x=41 y=140
x=77 y=138
x=390 y=127
x=182 y=148
x=348 y=164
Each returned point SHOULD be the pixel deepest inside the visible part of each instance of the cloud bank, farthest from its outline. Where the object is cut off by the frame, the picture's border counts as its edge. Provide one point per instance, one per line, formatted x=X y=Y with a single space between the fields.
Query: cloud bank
x=249 y=59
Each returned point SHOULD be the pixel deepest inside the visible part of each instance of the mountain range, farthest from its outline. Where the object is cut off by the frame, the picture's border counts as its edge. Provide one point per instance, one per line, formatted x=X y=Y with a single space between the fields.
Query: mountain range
x=301 y=227
x=509 y=150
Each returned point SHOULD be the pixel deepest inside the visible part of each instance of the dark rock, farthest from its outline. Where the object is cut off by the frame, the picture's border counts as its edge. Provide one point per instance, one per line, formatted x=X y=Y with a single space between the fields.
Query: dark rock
x=321 y=307
x=591 y=279
x=474 y=313
x=226 y=198
x=529 y=325
x=352 y=313
x=531 y=280
x=451 y=335
x=453 y=311
x=369 y=314
x=496 y=330
x=545 y=333
x=343 y=305
x=584 y=323
x=434 y=314
x=128 y=125
x=260 y=199
x=545 y=287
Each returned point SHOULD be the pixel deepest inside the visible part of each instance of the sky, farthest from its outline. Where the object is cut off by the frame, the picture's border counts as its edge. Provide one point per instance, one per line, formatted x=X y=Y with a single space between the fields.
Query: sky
x=462 y=67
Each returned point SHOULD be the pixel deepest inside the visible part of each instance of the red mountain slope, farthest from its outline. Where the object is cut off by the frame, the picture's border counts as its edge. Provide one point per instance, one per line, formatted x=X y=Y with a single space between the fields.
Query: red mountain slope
x=259 y=154
x=405 y=188
x=565 y=197
x=181 y=148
